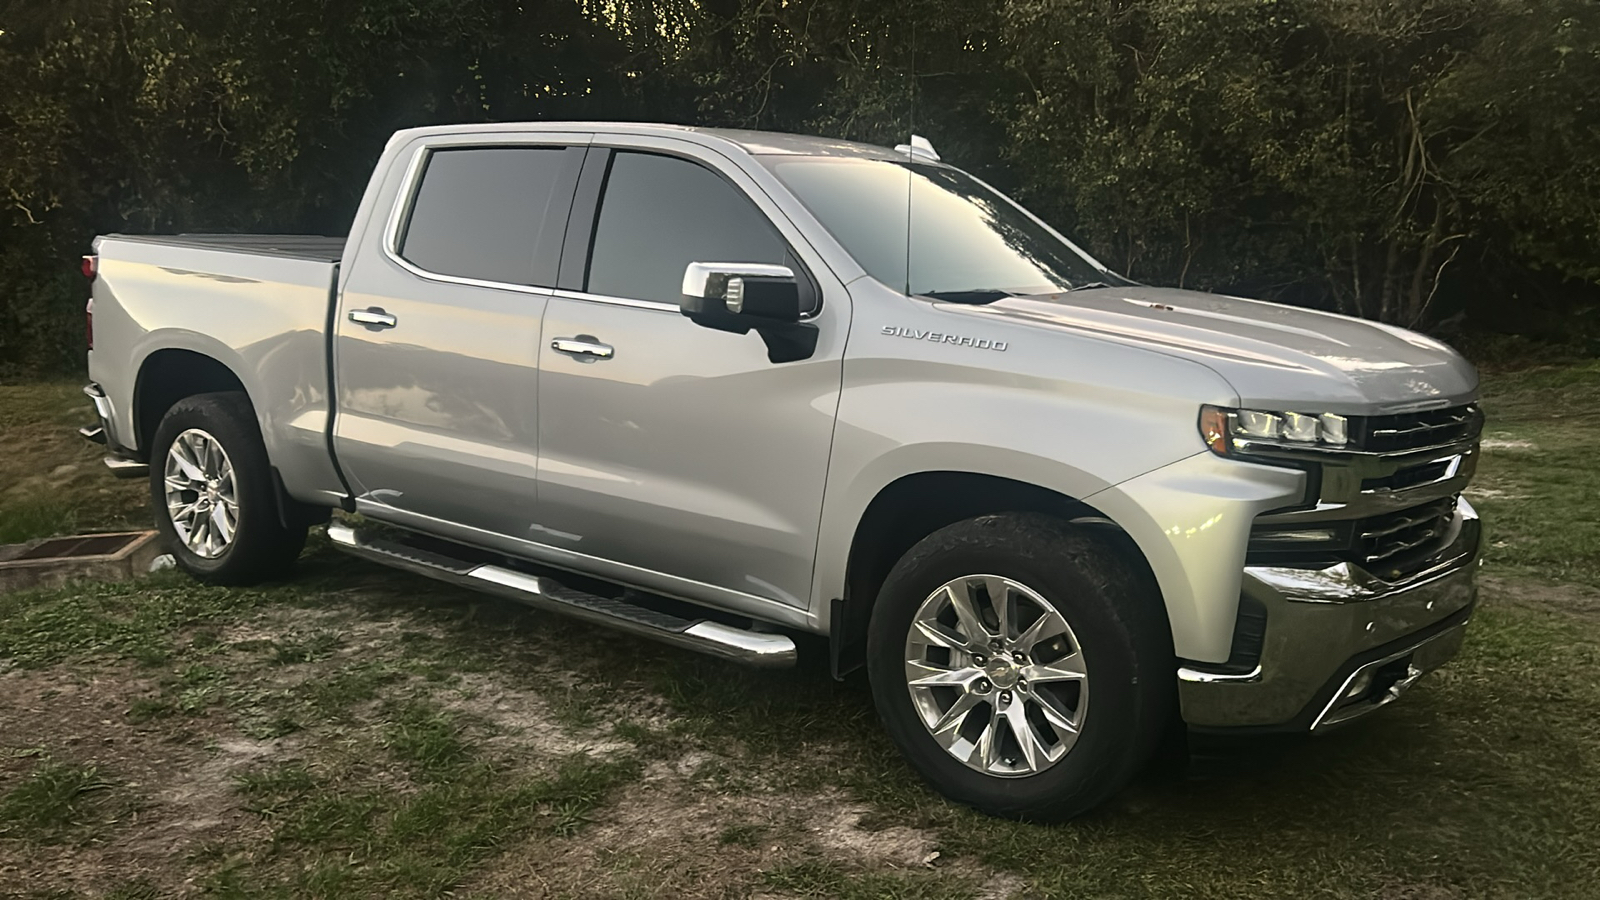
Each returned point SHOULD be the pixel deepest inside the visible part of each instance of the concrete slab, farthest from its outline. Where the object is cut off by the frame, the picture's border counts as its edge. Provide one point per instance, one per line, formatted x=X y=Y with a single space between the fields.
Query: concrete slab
x=54 y=561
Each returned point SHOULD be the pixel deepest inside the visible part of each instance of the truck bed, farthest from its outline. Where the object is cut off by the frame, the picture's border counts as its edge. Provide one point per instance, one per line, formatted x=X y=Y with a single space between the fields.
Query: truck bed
x=312 y=247
x=258 y=304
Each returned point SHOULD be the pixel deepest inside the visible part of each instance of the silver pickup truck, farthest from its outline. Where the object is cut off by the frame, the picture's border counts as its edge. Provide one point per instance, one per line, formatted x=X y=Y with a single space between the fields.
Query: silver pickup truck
x=722 y=388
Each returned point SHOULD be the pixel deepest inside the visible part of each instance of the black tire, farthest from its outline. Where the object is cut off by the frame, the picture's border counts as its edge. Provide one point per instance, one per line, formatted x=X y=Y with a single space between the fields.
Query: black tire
x=261 y=546
x=1119 y=623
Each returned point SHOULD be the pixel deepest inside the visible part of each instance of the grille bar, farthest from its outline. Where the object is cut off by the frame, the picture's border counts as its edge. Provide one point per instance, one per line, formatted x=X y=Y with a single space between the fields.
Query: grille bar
x=1411 y=431
x=1386 y=537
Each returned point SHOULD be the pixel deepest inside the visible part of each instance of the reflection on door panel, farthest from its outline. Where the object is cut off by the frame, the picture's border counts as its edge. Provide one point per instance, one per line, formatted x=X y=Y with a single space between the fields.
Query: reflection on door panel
x=686 y=451
x=438 y=413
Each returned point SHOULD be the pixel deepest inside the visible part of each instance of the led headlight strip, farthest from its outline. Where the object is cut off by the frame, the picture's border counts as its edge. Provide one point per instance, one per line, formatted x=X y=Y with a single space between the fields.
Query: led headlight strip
x=1229 y=432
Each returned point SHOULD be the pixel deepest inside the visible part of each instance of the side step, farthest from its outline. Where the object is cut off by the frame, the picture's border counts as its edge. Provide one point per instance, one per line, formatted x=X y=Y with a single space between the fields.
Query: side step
x=127 y=468
x=714 y=638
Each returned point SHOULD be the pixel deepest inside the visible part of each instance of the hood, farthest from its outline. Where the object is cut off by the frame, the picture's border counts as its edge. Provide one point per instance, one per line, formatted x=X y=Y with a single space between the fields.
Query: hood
x=1275 y=356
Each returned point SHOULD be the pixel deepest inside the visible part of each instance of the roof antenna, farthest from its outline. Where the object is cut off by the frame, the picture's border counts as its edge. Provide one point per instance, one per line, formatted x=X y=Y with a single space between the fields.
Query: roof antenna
x=910 y=150
x=919 y=147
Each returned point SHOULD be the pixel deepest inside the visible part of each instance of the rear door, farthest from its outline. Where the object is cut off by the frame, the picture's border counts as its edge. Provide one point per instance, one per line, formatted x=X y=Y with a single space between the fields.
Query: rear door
x=681 y=452
x=436 y=344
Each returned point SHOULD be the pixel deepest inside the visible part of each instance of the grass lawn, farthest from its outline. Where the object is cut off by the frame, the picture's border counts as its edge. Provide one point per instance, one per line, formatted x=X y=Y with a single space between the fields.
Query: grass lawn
x=359 y=732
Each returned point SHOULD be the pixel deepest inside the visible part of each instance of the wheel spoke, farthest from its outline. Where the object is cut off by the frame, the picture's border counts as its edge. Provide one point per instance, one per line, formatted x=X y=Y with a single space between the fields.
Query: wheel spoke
x=1067 y=668
x=1047 y=626
x=1004 y=604
x=966 y=612
x=941 y=636
x=1033 y=754
x=947 y=729
x=922 y=675
x=983 y=755
x=183 y=455
x=1065 y=728
x=219 y=519
x=198 y=530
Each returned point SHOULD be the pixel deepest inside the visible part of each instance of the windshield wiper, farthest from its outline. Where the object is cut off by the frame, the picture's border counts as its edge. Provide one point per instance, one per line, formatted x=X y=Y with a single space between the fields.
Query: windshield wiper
x=1088 y=287
x=976 y=296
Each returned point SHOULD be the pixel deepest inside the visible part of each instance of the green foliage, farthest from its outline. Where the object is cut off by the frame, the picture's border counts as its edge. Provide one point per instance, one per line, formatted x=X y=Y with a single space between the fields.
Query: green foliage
x=1408 y=162
x=51 y=799
x=1330 y=150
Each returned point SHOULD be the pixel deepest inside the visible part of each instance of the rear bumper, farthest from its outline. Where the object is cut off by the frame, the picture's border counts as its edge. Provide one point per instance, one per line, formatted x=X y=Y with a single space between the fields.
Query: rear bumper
x=122 y=462
x=1339 y=643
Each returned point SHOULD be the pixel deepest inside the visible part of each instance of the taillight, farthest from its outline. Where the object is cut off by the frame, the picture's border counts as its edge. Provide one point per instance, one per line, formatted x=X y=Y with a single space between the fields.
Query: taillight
x=90 y=269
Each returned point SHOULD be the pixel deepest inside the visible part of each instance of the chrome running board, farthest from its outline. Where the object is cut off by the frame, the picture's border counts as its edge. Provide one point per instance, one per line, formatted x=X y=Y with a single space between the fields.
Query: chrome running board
x=751 y=648
x=127 y=468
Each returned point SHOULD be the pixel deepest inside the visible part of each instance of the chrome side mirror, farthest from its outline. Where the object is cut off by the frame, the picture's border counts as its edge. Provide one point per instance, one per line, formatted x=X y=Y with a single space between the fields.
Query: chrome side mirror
x=715 y=292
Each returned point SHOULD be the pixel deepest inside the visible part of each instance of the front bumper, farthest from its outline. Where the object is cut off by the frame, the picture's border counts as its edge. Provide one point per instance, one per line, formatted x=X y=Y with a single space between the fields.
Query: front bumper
x=1339 y=643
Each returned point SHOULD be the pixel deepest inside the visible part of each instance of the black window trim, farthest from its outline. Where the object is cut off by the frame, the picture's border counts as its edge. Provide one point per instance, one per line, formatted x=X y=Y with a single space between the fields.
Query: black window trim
x=578 y=245
x=411 y=184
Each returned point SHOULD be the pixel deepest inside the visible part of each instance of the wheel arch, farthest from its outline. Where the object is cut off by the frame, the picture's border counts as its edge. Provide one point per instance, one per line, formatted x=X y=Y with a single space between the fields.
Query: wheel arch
x=169 y=375
x=915 y=505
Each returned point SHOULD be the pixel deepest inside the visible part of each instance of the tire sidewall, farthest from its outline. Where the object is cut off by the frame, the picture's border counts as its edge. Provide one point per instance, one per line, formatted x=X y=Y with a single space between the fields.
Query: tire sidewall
x=1062 y=568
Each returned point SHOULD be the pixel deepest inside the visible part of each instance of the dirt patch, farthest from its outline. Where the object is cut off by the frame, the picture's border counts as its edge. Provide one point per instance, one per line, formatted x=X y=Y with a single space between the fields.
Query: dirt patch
x=682 y=837
x=1508 y=444
x=168 y=796
x=524 y=721
x=1489 y=493
x=837 y=827
x=1571 y=599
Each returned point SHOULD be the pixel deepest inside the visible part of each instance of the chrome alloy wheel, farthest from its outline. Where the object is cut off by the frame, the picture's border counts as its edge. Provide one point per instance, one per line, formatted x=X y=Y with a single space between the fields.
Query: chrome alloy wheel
x=996 y=675
x=202 y=499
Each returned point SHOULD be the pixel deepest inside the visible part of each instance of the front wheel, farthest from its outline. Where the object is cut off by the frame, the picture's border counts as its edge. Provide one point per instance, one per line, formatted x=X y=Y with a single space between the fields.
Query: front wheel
x=212 y=492
x=1022 y=665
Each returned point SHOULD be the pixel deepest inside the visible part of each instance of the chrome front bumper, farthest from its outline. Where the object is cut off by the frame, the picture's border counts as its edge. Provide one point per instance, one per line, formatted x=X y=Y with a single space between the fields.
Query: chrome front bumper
x=1338 y=642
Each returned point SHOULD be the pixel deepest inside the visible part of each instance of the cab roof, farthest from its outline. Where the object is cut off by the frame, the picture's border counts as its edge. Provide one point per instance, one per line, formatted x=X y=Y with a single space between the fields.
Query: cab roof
x=753 y=142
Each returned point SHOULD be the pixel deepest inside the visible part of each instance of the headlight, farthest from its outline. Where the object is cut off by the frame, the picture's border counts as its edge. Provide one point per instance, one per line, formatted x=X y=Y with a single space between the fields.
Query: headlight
x=1232 y=432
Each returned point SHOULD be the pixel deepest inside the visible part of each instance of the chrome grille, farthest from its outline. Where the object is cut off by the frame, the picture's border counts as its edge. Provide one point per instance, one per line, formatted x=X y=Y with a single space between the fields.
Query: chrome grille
x=1410 y=431
x=1387 y=537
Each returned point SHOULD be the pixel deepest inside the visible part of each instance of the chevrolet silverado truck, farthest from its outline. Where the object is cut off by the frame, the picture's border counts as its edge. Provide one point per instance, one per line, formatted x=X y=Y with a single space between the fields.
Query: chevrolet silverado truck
x=724 y=389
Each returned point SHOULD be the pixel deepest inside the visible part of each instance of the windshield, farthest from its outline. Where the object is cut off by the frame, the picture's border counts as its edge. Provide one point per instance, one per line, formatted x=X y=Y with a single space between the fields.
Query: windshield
x=966 y=242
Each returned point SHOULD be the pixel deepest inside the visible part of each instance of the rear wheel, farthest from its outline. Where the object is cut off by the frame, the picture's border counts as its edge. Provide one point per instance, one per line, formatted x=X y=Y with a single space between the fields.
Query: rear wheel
x=1022 y=665
x=212 y=492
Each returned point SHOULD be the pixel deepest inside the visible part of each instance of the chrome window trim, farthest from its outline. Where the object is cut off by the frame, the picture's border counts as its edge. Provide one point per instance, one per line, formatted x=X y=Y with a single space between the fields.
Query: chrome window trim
x=405 y=198
x=652 y=305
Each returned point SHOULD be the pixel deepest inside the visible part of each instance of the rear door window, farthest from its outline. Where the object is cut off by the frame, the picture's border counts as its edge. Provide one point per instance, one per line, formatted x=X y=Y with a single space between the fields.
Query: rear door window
x=491 y=213
x=660 y=213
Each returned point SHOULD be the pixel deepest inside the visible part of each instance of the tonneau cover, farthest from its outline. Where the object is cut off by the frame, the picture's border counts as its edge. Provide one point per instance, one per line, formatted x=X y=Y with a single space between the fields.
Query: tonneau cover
x=314 y=247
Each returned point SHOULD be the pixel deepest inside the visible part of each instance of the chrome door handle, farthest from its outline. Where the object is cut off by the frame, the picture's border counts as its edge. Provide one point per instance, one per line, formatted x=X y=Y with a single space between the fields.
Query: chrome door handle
x=373 y=317
x=583 y=346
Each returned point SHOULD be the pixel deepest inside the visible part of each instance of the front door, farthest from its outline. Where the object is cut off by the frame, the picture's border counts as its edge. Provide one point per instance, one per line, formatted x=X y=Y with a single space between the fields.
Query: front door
x=436 y=347
x=665 y=445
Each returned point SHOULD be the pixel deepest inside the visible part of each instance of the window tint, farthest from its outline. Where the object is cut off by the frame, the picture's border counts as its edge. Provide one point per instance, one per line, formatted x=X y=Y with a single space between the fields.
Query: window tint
x=480 y=212
x=964 y=238
x=659 y=214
